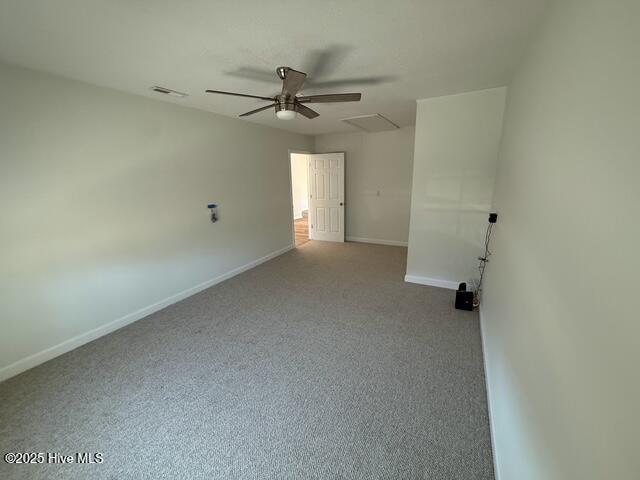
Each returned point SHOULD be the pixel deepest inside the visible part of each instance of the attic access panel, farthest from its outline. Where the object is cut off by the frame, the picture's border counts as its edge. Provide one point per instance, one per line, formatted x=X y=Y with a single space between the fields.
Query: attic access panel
x=371 y=123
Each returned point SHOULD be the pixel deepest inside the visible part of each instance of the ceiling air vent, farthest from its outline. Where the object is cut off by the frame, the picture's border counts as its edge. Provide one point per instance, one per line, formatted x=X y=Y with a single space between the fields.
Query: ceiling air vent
x=168 y=91
x=371 y=123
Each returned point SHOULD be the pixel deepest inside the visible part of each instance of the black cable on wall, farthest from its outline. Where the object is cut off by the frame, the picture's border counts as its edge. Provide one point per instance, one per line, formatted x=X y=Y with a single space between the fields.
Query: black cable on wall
x=484 y=259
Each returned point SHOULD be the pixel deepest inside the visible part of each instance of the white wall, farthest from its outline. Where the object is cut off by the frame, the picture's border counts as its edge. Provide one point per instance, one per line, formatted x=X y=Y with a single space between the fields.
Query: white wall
x=560 y=314
x=299 y=183
x=456 y=151
x=378 y=170
x=104 y=212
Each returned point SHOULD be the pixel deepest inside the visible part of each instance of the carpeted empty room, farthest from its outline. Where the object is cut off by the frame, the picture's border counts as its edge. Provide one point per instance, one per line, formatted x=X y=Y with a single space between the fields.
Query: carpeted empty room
x=261 y=377
x=303 y=240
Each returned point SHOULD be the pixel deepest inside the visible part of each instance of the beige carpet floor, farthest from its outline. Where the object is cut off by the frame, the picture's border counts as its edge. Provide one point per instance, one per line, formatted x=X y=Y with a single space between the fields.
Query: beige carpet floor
x=320 y=364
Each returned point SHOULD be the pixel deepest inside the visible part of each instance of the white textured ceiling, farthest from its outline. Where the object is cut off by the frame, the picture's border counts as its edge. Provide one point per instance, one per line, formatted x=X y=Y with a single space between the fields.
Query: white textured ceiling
x=403 y=49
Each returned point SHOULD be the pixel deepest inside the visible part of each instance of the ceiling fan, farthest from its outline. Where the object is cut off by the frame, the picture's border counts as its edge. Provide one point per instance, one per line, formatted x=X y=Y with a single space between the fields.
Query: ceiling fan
x=287 y=104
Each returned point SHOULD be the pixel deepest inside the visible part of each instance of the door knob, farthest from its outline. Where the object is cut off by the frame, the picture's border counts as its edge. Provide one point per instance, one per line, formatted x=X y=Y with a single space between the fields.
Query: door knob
x=341 y=204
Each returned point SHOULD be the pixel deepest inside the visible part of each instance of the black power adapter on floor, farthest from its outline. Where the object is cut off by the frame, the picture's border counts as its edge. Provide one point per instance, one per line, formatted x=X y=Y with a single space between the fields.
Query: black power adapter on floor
x=464 y=299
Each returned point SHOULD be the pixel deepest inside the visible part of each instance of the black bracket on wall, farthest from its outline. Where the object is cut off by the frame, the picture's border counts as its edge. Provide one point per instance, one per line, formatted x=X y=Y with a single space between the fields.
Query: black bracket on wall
x=214 y=212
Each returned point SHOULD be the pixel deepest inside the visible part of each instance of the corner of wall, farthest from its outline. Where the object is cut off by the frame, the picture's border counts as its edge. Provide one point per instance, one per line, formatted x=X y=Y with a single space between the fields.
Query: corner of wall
x=492 y=427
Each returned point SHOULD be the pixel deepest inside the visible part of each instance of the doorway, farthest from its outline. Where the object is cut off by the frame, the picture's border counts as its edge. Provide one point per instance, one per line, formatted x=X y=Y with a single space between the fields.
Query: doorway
x=300 y=197
x=317 y=196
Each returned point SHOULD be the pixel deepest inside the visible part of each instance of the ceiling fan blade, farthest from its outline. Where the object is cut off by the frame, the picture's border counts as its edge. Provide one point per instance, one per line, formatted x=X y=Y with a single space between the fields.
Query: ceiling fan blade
x=240 y=95
x=258 y=110
x=306 y=111
x=293 y=81
x=329 y=98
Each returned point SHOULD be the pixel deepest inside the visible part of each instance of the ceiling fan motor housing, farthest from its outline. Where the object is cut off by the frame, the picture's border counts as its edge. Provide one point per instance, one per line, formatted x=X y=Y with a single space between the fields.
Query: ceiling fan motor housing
x=286 y=104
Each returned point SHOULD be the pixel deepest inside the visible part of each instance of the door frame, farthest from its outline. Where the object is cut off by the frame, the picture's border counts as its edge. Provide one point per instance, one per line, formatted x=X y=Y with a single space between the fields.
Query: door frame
x=293 y=224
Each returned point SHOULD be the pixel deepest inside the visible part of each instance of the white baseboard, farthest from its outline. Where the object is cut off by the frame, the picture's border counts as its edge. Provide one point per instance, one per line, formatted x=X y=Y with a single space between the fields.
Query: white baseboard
x=496 y=467
x=68 y=345
x=395 y=243
x=432 y=282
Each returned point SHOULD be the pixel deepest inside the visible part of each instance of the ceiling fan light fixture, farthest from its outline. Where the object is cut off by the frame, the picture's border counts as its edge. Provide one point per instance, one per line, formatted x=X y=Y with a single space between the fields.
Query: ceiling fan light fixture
x=286 y=114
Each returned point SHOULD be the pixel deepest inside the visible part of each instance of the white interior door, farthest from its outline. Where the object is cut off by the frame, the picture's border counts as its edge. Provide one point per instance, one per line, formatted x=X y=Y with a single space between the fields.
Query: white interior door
x=326 y=197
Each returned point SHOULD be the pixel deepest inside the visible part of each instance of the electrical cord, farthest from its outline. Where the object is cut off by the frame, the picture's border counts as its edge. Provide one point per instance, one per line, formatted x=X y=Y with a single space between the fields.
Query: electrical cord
x=483 y=264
